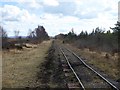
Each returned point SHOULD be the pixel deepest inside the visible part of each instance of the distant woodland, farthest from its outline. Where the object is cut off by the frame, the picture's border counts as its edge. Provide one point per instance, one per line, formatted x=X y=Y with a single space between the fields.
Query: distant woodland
x=98 y=39
x=35 y=37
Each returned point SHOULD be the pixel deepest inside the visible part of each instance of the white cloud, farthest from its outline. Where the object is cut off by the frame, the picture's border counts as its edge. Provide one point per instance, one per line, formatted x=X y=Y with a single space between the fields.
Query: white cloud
x=15 y=18
x=94 y=7
x=10 y=12
x=51 y=2
x=34 y=4
x=88 y=15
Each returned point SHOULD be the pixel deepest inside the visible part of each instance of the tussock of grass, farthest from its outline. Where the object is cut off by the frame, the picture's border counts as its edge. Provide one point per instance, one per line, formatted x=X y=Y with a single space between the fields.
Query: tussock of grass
x=20 y=69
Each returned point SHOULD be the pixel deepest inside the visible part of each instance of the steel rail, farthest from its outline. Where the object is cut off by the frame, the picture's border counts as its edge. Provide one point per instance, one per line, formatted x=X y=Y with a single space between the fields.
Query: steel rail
x=93 y=70
x=73 y=70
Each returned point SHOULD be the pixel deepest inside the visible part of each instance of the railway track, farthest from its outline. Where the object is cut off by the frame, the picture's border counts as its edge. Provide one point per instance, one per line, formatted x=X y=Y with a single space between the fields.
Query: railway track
x=85 y=76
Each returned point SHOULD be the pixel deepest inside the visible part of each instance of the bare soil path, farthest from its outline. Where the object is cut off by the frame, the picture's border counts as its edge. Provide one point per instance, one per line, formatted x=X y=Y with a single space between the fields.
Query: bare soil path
x=51 y=74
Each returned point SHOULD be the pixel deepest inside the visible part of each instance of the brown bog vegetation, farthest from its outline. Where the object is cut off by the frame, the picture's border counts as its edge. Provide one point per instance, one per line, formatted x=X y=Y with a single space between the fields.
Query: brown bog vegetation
x=20 y=67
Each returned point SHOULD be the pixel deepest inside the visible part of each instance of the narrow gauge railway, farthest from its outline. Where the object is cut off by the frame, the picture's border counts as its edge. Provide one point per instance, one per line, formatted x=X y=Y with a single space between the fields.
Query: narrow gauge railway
x=86 y=77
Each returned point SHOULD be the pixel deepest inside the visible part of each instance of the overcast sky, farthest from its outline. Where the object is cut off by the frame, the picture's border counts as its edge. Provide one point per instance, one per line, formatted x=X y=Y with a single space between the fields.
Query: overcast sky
x=57 y=16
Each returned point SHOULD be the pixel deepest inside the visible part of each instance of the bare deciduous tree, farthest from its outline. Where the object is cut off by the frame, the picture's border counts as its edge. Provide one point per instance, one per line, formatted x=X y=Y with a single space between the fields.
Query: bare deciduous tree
x=16 y=32
x=3 y=37
x=3 y=33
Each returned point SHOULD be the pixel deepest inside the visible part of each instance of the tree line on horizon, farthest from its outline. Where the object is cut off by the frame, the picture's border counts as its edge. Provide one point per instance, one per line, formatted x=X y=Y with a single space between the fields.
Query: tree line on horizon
x=98 y=39
x=36 y=36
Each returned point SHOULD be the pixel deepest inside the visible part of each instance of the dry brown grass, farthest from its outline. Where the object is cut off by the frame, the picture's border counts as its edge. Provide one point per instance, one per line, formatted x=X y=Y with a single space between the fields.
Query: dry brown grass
x=98 y=59
x=20 y=67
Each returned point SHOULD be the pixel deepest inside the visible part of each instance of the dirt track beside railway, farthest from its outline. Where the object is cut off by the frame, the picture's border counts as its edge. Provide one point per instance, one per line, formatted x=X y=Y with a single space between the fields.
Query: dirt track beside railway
x=51 y=74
